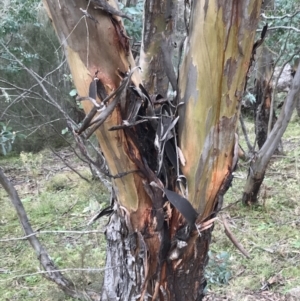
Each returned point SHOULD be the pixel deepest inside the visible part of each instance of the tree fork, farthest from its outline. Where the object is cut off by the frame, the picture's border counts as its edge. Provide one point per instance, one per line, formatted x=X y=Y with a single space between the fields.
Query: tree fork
x=263 y=156
x=154 y=251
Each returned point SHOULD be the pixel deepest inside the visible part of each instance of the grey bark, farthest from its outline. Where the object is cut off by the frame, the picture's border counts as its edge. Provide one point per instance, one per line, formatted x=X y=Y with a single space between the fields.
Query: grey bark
x=261 y=160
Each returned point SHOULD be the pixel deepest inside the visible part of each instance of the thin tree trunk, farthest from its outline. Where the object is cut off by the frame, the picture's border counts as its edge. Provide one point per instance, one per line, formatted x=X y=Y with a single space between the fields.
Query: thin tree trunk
x=264 y=92
x=261 y=160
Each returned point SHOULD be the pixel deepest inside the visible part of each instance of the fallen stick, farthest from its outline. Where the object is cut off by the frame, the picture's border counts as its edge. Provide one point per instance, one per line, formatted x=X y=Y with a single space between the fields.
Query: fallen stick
x=230 y=235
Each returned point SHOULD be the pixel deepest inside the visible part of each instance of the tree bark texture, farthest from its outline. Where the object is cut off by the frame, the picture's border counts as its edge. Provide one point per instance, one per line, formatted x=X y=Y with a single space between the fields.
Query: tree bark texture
x=157 y=46
x=211 y=85
x=171 y=162
x=263 y=91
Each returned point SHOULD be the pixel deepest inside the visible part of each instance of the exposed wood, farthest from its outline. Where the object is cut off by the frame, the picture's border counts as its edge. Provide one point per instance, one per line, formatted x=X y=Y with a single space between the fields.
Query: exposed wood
x=211 y=85
x=160 y=229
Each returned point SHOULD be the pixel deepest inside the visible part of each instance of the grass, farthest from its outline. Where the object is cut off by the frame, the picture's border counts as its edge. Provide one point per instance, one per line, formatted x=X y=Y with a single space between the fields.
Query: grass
x=62 y=201
x=57 y=199
x=270 y=231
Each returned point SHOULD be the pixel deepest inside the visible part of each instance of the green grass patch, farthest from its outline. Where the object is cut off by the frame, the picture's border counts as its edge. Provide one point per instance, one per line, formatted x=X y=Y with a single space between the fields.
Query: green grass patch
x=56 y=199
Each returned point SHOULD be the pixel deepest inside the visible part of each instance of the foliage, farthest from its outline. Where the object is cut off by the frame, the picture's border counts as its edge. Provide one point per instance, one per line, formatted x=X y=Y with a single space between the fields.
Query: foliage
x=25 y=31
x=134 y=28
x=218 y=268
x=283 y=41
x=15 y=15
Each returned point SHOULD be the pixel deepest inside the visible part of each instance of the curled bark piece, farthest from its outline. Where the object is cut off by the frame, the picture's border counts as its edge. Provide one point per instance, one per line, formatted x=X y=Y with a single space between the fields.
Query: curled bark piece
x=182 y=205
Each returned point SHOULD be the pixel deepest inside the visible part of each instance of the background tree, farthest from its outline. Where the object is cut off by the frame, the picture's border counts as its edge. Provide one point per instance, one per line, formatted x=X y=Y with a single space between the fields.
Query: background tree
x=281 y=39
x=153 y=243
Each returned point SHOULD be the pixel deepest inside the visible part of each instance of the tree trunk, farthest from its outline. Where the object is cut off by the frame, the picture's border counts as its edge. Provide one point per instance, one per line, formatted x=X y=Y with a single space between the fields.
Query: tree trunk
x=168 y=179
x=261 y=160
x=157 y=48
x=263 y=91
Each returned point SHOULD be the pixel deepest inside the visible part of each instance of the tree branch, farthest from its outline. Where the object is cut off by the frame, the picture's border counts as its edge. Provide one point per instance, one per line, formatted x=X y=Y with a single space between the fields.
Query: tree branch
x=281 y=124
x=274 y=94
x=69 y=166
x=50 y=232
x=282 y=27
x=250 y=147
x=232 y=238
x=281 y=17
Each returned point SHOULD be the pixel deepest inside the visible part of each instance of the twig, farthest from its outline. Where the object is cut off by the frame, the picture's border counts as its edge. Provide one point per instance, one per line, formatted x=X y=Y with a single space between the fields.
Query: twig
x=28 y=91
x=282 y=27
x=230 y=205
x=91 y=270
x=69 y=166
x=264 y=249
x=50 y=232
x=281 y=17
x=232 y=238
x=250 y=147
x=52 y=101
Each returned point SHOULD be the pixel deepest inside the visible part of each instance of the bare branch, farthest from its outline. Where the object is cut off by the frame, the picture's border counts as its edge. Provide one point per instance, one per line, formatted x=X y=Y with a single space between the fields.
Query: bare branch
x=68 y=165
x=40 y=83
x=274 y=94
x=250 y=147
x=90 y=270
x=281 y=17
x=280 y=126
x=232 y=238
x=50 y=232
x=282 y=27
x=27 y=91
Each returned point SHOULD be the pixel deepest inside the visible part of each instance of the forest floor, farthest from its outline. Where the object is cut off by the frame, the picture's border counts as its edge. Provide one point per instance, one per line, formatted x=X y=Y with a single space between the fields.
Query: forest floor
x=58 y=200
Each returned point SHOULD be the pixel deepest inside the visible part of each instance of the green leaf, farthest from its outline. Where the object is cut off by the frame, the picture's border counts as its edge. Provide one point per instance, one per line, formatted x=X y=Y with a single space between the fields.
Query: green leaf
x=73 y=92
x=64 y=131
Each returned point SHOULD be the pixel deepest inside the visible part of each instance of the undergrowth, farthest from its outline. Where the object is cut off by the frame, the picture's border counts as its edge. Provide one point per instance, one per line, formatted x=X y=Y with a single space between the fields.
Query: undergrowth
x=57 y=199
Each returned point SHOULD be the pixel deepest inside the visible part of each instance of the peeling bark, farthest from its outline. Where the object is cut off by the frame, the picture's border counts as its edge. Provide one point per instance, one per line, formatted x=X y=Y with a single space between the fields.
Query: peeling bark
x=154 y=247
x=264 y=92
x=211 y=85
x=157 y=46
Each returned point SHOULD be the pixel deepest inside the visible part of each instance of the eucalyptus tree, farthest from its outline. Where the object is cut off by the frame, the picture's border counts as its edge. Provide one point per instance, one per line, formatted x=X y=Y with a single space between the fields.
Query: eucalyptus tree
x=170 y=155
